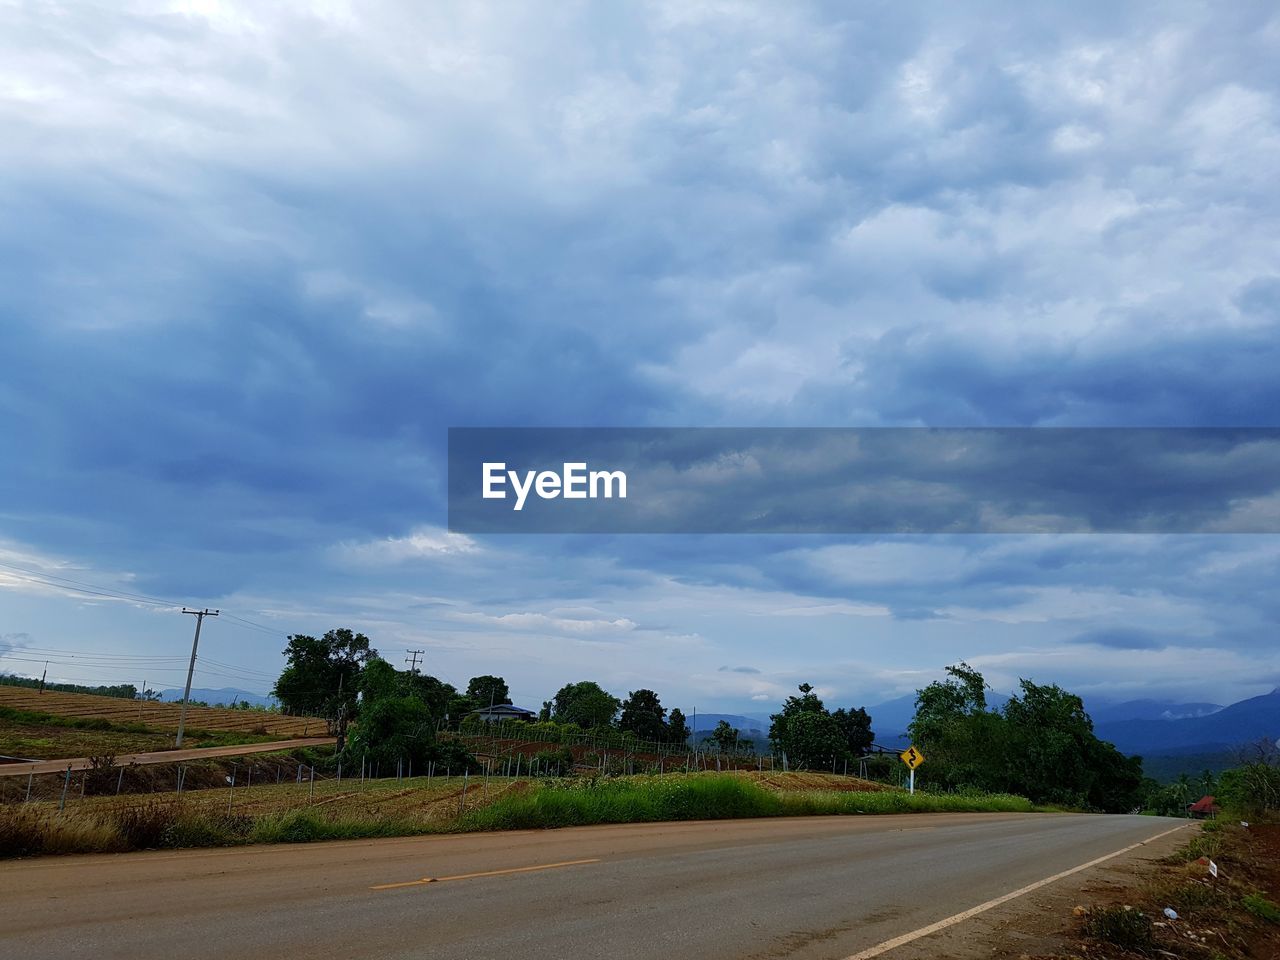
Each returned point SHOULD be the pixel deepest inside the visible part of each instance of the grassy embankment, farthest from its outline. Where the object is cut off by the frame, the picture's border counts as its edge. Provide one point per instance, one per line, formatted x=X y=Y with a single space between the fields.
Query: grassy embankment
x=272 y=814
x=1233 y=916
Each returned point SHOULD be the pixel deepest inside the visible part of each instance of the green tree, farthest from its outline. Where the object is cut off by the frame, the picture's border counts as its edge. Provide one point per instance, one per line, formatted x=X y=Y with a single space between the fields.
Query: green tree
x=644 y=715
x=855 y=727
x=814 y=741
x=544 y=715
x=487 y=691
x=585 y=703
x=964 y=744
x=945 y=702
x=322 y=676
x=379 y=680
x=806 y=733
x=807 y=702
x=677 y=727
x=1050 y=755
x=724 y=736
x=393 y=729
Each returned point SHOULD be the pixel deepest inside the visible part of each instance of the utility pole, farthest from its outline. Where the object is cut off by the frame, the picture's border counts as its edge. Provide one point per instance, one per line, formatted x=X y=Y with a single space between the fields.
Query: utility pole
x=43 y=675
x=412 y=660
x=191 y=668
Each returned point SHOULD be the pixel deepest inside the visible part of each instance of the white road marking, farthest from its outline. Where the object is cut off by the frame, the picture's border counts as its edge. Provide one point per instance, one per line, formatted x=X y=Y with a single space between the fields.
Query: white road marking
x=1004 y=898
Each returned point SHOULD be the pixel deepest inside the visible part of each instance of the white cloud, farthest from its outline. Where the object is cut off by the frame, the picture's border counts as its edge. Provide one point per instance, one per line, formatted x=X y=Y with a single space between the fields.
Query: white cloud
x=423 y=543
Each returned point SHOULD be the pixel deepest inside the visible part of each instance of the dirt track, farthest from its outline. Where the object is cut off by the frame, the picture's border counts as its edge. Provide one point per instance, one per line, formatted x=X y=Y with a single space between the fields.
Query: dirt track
x=161 y=756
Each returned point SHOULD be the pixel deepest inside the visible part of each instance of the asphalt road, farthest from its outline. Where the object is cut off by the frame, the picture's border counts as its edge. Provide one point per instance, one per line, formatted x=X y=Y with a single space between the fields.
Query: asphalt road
x=161 y=756
x=809 y=887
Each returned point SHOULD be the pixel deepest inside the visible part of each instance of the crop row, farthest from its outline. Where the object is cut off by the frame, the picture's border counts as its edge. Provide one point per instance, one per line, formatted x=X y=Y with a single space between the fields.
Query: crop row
x=159 y=716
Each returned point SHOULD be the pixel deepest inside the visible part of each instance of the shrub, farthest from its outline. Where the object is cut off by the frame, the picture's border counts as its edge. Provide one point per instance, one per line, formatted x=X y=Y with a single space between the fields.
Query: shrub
x=27 y=833
x=1124 y=927
x=554 y=763
x=146 y=826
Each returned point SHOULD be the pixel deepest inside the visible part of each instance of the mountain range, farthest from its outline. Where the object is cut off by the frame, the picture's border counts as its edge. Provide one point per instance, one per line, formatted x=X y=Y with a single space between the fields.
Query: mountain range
x=223 y=695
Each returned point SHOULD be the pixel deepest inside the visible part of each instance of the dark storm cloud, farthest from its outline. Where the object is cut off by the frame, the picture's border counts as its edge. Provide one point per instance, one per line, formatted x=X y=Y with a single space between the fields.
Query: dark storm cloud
x=972 y=480
x=1122 y=638
x=255 y=260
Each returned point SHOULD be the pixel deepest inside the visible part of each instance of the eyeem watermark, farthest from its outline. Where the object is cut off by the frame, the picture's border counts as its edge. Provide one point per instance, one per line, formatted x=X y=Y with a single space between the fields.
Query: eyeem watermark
x=573 y=482
x=850 y=480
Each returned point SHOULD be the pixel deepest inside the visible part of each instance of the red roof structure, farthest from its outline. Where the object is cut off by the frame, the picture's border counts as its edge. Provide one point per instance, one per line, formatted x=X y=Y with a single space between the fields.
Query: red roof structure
x=1204 y=807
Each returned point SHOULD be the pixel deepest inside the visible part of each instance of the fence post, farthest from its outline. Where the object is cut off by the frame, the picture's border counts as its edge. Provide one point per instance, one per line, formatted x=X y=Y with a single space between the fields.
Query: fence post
x=462 y=797
x=312 y=795
x=232 y=794
x=29 y=776
x=65 y=783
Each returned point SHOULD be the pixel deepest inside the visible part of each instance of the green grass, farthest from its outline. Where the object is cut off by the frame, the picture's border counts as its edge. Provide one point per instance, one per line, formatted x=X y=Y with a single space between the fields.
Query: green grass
x=676 y=797
x=171 y=823
x=1261 y=907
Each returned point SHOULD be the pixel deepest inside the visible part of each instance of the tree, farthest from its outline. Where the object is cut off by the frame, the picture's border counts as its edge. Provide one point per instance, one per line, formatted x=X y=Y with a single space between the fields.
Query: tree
x=814 y=741
x=644 y=715
x=443 y=701
x=724 y=736
x=585 y=703
x=855 y=727
x=544 y=715
x=944 y=702
x=321 y=677
x=806 y=733
x=807 y=702
x=677 y=727
x=488 y=691
x=391 y=729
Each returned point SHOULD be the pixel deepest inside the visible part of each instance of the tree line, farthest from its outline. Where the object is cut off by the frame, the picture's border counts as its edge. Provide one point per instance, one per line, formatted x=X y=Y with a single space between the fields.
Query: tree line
x=1040 y=744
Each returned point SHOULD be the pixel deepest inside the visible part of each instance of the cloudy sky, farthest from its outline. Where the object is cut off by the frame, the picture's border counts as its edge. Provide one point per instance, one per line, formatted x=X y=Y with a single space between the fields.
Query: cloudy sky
x=255 y=259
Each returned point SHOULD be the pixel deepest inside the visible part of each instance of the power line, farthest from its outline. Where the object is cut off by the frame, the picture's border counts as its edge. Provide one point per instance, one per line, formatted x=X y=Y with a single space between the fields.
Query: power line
x=113 y=593
x=96 y=589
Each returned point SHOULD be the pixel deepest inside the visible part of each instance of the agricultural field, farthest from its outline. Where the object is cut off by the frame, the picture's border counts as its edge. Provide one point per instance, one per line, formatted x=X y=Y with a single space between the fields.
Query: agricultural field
x=294 y=808
x=270 y=785
x=420 y=799
x=45 y=741
x=159 y=716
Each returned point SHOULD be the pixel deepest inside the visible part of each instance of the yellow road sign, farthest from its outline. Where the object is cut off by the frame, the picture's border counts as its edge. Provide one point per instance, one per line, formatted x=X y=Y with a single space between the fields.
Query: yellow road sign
x=912 y=757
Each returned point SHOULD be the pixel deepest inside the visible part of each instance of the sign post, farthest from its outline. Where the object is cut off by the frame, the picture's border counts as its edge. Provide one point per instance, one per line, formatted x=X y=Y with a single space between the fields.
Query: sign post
x=912 y=758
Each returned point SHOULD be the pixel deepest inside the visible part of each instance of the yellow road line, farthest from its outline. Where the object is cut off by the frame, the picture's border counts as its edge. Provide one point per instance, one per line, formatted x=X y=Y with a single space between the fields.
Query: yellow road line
x=1005 y=898
x=484 y=873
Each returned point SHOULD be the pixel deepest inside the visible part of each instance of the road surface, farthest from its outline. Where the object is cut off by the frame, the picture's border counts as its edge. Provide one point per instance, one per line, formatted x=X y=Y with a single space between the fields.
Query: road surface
x=820 y=887
x=162 y=756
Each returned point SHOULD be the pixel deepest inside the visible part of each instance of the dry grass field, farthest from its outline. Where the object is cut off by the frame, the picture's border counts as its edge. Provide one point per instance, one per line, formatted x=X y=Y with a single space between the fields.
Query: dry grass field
x=158 y=716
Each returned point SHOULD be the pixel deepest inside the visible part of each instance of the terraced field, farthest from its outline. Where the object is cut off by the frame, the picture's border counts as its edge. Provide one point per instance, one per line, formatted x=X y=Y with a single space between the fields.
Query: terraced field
x=158 y=716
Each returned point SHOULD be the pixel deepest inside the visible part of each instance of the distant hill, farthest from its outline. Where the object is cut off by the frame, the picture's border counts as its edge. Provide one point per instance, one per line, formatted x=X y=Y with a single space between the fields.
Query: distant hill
x=706 y=722
x=1148 y=710
x=224 y=695
x=1248 y=721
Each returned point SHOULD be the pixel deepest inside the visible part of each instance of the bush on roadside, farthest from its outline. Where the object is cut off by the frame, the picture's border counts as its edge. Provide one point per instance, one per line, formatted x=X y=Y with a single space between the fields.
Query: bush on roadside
x=1123 y=927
